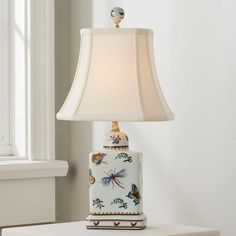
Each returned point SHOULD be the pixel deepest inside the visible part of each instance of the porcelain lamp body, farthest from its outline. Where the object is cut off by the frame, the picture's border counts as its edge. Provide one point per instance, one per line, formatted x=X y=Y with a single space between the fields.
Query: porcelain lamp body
x=115 y=190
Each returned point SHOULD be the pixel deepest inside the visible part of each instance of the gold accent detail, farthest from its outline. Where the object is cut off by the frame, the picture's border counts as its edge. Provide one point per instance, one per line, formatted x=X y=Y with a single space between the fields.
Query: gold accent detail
x=91 y=180
x=115 y=126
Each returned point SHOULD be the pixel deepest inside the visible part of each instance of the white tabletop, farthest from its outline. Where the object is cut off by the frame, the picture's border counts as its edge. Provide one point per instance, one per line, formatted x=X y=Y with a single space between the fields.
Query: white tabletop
x=79 y=229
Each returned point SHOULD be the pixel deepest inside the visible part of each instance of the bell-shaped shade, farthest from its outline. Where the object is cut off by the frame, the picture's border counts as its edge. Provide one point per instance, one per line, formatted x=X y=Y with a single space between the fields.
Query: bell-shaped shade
x=116 y=79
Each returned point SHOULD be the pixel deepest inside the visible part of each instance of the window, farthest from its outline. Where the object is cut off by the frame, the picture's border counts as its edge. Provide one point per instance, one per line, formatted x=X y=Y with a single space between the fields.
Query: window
x=20 y=72
x=5 y=79
x=14 y=44
x=27 y=79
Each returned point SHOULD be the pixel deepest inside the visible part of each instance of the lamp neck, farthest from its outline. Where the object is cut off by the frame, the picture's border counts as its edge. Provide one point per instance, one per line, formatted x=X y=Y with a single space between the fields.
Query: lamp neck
x=116 y=139
x=115 y=126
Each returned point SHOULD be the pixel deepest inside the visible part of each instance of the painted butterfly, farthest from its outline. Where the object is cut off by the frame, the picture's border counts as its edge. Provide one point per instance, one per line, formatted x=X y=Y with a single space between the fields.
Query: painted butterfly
x=134 y=194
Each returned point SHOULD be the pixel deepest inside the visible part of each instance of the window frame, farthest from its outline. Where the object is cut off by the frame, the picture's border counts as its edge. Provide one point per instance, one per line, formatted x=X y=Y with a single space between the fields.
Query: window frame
x=39 y=104
x=5 y=84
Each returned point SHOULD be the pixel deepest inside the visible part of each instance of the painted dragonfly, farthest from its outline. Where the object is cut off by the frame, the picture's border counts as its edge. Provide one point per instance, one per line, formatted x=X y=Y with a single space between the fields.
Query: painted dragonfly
x=113 y=178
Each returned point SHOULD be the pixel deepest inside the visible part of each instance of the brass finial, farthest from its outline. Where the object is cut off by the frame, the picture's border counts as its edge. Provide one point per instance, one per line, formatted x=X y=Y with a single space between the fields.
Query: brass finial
x=117 y=15
x=115 y=126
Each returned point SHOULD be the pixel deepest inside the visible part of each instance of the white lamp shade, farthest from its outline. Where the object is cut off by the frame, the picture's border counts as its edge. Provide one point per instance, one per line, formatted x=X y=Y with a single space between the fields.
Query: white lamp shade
x=116 y=79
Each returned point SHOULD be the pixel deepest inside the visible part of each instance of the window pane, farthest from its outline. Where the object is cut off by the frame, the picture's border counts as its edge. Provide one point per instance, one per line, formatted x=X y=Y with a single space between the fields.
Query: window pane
x=4 y=75
x=20 y=72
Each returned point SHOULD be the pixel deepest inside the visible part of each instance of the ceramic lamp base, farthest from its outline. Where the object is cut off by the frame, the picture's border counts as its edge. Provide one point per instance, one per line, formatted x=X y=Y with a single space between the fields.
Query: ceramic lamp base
x=115 y=185
x=133 y=222
x=115 y=192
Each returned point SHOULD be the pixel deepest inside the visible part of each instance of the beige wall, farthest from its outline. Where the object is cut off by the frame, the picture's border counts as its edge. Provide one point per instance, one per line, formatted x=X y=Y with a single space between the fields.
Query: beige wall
x=62 y=83
x=189 y=164
x=72 y=139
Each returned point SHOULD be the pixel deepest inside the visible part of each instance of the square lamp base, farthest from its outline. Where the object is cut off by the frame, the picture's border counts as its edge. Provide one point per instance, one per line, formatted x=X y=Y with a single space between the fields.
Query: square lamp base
x=115 y=192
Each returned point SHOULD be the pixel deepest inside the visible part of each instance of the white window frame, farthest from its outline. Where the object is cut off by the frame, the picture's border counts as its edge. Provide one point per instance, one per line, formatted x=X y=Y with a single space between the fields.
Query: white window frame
x=42 y=86
x=39 y=77
x=5 y=84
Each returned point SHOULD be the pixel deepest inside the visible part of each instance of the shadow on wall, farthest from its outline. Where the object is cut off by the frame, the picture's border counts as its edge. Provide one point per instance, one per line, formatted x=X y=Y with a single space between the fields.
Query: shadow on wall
x=73 y=139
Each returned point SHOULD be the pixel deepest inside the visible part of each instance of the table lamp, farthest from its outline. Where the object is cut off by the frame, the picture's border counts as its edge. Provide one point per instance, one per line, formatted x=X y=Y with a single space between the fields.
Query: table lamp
x=116 y=80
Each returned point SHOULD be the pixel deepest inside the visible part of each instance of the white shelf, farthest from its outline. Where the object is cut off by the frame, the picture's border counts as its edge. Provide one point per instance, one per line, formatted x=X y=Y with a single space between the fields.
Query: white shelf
x=28 y=191
x=79 y=229
x=21 y=169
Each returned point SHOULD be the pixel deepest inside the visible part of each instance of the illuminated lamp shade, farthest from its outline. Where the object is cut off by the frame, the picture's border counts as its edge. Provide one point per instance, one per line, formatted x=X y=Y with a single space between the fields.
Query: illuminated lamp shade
x=116 y=79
